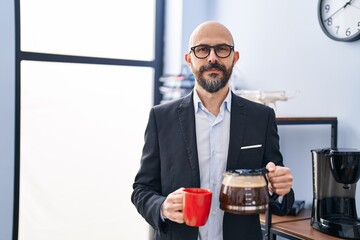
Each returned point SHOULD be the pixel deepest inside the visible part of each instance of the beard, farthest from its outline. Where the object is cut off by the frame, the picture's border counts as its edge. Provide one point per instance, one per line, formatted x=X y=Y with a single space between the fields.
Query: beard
x=214 y=83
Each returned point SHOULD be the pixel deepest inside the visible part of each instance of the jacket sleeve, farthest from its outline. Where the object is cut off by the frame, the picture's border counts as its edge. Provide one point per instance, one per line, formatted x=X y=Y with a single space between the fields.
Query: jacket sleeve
x=146 y=194
x=283 y=206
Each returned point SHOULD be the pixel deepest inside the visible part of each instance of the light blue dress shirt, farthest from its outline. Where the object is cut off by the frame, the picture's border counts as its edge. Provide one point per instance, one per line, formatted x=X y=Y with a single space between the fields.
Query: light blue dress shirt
x=212 y=135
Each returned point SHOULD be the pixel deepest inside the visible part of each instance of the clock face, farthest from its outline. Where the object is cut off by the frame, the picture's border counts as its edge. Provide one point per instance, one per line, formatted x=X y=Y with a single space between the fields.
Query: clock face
x=340 y=19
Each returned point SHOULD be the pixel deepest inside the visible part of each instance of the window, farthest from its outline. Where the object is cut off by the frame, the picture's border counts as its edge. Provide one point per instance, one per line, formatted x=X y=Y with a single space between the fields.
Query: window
x=87 y=75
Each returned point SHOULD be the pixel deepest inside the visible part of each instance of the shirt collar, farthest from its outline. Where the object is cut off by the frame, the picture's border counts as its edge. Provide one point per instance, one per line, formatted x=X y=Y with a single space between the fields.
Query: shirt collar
x=198 y=104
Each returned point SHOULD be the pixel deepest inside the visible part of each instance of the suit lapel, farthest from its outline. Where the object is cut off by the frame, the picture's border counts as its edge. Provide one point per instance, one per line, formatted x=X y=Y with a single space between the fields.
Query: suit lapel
x=187 y=126
x=237 y=127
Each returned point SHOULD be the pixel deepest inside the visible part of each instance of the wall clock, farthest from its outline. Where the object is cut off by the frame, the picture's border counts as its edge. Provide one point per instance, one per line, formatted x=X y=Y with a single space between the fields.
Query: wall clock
x=340 y=19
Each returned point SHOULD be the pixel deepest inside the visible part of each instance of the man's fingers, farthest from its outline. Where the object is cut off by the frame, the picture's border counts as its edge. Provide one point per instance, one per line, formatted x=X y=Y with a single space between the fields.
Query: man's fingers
x=173 y=205
x=270 y=167
x=280 y=179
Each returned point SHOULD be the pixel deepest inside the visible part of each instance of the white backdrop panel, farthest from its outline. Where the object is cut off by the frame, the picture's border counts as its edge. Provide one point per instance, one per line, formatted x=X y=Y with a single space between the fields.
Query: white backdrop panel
x=82 y=132
x=107 y=28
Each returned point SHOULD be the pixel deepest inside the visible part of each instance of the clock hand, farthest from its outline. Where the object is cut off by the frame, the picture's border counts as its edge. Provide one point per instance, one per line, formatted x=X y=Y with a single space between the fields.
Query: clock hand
x=346 y=4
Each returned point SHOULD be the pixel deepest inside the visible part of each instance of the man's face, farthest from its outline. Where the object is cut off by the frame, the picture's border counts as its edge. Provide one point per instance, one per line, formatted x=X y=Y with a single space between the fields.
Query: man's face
x=212 y=76
x=213 y=72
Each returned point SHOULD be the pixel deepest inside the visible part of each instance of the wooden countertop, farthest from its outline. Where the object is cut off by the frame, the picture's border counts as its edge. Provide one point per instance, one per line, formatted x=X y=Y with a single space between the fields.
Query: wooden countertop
x=304 y=214
x=296 y=226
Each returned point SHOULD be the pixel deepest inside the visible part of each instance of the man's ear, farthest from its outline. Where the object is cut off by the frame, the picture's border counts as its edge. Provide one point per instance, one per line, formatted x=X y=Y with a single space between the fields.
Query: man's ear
x=236 y=57
x=188 y=58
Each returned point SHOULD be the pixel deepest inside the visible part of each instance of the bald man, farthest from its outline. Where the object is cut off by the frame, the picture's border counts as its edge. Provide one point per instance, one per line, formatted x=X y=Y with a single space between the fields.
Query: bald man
x=192 y=141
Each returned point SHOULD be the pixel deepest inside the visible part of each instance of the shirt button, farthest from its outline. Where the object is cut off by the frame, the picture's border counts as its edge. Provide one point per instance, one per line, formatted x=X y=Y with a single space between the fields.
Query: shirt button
x=213 y=212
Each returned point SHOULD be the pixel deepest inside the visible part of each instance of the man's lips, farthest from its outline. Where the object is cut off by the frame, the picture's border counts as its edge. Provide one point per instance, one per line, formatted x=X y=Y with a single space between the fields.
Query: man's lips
x=213 y=70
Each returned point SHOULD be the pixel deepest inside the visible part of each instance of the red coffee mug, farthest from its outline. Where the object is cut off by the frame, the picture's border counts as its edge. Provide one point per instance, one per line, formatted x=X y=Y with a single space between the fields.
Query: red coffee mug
x=196 y=206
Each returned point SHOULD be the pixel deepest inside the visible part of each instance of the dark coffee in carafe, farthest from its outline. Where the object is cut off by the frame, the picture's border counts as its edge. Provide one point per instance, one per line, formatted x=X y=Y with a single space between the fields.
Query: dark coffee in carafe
x=244 y=192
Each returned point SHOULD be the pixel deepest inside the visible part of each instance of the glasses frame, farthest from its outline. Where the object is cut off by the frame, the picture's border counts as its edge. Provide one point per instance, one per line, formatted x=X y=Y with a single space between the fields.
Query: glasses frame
x=192 y=49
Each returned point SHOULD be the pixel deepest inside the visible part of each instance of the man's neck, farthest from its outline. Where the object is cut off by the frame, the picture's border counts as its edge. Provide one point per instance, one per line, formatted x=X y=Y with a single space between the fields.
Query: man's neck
x=212 y=101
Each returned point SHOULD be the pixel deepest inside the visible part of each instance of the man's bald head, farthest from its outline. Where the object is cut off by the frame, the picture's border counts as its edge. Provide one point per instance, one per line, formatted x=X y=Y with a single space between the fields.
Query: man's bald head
x=212 y=30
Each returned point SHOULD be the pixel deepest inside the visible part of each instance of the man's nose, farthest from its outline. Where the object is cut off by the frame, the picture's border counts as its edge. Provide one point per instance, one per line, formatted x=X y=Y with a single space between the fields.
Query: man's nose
x=212 y=56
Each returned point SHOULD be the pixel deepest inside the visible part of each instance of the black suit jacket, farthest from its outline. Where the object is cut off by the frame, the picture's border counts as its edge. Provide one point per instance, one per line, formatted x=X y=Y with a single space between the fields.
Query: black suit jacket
x=170 y=161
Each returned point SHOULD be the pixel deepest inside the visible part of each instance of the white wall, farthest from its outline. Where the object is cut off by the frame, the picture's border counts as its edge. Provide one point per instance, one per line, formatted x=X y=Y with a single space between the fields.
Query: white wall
x=181 y=18
x=282 y=47
x=7 y=116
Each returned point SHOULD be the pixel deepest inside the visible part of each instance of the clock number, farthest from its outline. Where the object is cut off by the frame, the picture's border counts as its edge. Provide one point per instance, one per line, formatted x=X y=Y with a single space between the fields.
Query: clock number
x=337 y=29
x=348 y=32
x=327 y=8
x=329 y=21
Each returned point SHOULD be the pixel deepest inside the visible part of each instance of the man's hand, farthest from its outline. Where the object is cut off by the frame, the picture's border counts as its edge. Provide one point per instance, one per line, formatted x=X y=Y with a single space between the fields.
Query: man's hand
x=280 y=179
x=173 y=205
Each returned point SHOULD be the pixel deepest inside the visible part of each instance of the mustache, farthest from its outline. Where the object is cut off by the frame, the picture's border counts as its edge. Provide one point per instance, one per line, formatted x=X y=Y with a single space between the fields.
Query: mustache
x=212 y=65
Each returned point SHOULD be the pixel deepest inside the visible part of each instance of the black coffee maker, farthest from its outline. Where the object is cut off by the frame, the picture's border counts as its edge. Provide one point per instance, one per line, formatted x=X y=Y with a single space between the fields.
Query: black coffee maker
x=335 y=174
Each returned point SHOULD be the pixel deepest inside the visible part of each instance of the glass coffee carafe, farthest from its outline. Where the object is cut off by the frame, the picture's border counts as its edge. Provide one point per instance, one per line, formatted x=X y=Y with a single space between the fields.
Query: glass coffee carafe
x=244 y=191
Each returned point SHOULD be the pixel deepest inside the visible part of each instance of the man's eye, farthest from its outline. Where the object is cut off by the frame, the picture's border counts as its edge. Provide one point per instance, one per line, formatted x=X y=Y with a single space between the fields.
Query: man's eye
x=222 y=48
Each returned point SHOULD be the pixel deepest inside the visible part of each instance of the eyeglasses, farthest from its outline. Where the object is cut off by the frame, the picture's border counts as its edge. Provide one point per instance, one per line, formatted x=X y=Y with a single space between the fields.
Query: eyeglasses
x=203 y=51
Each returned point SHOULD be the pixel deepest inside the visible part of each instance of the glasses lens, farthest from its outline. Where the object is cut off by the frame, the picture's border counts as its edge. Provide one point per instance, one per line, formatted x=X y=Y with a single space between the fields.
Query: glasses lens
x=201 y=51
x=222 y=51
